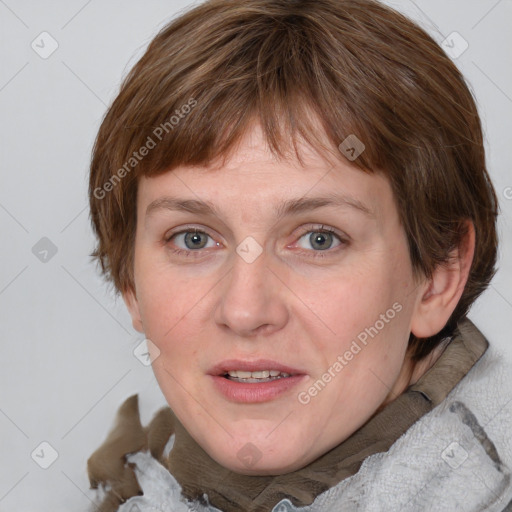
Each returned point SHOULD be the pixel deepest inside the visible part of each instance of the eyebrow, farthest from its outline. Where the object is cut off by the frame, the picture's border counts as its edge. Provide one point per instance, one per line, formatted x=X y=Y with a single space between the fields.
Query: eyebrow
x=286 y=208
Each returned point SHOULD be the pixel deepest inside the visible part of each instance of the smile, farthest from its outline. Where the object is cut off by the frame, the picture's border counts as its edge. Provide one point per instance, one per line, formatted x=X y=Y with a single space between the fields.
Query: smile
x=243 y=381
x=255 y=377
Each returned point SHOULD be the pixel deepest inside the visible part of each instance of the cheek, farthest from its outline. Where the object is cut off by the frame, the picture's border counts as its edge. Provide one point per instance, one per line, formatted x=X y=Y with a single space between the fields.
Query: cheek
x=165 y=299
x=368 y=314
x=351 y=300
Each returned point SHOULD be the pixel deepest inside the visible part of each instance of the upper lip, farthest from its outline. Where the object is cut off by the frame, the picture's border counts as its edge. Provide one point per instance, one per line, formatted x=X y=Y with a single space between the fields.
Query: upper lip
x=252 y=366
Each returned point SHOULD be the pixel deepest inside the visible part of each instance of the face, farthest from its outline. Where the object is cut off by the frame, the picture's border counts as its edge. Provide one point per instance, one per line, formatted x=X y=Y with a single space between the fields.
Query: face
x=279 y=299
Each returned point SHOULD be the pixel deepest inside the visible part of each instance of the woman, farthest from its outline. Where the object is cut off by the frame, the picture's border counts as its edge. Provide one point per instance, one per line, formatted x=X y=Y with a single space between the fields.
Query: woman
x=292 y=199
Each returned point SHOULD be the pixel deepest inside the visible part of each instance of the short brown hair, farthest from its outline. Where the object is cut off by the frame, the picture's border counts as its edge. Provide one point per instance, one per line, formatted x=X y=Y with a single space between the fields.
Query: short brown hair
x=357 y=66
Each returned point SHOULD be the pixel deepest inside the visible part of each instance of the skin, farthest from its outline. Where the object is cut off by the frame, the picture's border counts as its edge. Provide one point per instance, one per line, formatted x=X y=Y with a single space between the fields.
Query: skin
x=287 y=305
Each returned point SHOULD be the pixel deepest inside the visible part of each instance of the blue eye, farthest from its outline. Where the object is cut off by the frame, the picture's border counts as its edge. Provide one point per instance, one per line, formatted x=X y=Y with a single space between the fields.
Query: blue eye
x=318 y=242
x=321 y=239
x=193 y=240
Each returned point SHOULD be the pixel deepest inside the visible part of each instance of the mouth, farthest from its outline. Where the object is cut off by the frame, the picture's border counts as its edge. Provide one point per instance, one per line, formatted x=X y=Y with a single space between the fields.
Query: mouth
x=255 y=377
x=259 y=370
x=254 y=381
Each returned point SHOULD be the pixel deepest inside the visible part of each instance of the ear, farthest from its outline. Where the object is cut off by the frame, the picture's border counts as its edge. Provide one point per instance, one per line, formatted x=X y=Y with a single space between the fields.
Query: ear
x=130 y=299
x=441 y=294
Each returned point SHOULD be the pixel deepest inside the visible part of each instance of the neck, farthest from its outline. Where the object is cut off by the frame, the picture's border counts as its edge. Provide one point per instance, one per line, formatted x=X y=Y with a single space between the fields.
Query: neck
x=411 y=372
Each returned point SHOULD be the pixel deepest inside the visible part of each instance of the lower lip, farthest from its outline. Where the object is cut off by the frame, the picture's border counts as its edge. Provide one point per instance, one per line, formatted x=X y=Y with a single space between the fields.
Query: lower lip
x=256 y=392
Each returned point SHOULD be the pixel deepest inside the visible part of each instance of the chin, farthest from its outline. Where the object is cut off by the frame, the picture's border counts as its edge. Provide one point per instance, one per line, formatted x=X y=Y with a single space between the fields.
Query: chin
x=248 y=459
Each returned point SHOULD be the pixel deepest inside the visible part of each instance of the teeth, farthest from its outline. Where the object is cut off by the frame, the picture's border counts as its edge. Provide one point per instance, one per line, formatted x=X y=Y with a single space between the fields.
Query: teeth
x=265 y=374
x=260 y=375
x=240 y=374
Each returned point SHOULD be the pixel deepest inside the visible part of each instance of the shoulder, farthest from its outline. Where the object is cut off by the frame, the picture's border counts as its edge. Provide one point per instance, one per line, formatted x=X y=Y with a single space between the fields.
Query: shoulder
x=483 y=403
x=127 y=471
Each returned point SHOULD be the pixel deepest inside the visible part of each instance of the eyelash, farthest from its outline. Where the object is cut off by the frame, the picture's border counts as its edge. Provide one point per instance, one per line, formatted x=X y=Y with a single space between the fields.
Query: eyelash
x=316 y=254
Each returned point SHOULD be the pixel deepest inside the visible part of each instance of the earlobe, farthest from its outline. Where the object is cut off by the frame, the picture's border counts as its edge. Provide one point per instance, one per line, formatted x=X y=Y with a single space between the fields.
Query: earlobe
x=132 y=304
x=442 y=293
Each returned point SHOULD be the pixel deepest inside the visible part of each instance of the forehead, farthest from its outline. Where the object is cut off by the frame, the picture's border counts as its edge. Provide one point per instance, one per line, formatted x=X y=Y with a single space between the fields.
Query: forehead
x=256 y=179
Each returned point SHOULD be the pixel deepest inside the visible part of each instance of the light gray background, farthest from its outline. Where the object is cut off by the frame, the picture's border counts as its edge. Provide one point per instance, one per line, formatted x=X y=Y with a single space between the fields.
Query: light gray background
x=67 y=342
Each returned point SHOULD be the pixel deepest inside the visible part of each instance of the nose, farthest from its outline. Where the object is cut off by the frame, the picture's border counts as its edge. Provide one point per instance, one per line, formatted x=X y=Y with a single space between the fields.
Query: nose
x=252 y=300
